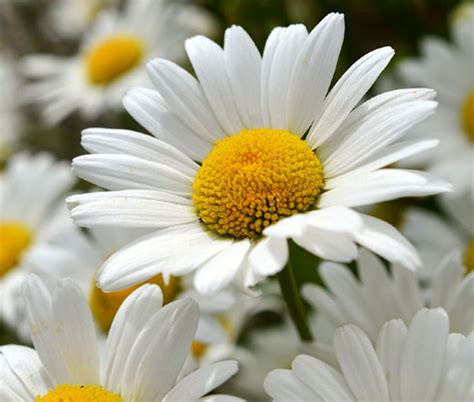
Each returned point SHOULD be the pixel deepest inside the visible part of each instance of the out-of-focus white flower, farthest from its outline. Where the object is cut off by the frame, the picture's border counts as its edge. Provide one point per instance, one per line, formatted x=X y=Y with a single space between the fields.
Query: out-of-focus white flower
x=32 y=213
x=10 y=118
x=448 y=68
x=423 y=362
x=280 y=158
x=111 y=59
x=377 y=297
x=144 y=354
x=71 y=18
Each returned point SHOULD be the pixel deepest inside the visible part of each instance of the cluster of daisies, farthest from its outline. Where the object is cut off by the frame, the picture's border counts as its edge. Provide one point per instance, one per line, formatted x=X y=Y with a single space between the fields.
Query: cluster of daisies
x=176 y=274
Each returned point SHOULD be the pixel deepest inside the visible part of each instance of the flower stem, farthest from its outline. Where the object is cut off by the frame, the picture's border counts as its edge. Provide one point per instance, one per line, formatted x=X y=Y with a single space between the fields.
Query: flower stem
x=291 y=294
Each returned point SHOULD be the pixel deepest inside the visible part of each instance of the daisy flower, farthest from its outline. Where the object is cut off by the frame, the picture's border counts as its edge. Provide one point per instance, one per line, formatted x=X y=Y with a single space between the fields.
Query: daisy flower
x=111 y=58
x=31 y=214
x=255 y=147
x=435 y=236
x=145 y=350
x=453 y=123
x=10 y=118
x=423 y=362
x=377 y=296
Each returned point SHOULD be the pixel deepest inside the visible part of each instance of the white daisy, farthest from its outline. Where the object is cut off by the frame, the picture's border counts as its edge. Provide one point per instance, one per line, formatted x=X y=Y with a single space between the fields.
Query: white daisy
x=10 y=118
x=448 y=67
x=145 y=351
x=71 y=18
x=270 y=144
x=111 y=58
x=423 y=362
x=377 y=297
x=435 y=236
x=31 y=214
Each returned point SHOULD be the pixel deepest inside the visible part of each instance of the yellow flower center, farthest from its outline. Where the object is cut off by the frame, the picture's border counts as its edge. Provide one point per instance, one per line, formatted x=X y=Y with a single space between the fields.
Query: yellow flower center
x=112 y=58
x=79 y=393
x=468 y=116
x=104 y=305
x=255 y=178
x=469 y=256
x=14 y=240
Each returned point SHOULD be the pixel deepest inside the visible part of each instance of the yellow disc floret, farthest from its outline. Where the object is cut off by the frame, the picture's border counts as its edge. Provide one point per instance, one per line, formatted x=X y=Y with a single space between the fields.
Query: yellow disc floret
x=253 y=179
x=79 y=393
x=112 y=58
x=15 y=238
x=104 y=305
x=468 y=116
x=469 y=256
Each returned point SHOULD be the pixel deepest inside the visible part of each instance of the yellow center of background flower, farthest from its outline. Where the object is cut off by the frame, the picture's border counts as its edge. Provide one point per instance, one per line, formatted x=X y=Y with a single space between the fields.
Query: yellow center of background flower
x=468 y=116
x=112 y=58
x=104 y=305
x=14 y=240
x=79 y=393
x=469 y=256
x=199 y=349
x=255 y=178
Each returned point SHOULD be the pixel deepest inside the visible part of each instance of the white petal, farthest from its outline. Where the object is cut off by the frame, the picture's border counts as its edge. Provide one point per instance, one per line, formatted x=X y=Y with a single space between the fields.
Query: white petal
x=202 y=381
x=75 y=333
x=38 y=304
x=122 y=172
x=347 y=93
x=126 y=142
x=408 y=291
x=334 y=219
x=160 y=350
x=386 y=241
x=423 y=355
x=277 y=69
x=389 y=348
x=243 y=65
x=462 y=311
x=360 y=365
x=134 y=313
x=219 y=271
x=283 y=386
x=183 y=94
x=159 y=252
x=23 y=376
x=150 y=110
x=324 y=380
x=269 y=256
x=313 y=71
x=324 y=303
x=208 y=61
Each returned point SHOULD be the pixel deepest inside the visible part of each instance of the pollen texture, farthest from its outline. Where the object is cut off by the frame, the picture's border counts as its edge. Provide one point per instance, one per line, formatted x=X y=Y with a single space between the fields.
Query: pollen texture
x=112 y=58
x=104 y=305
x=255 y=178
x=79 y=393
x=468 y=116
x=14 y=239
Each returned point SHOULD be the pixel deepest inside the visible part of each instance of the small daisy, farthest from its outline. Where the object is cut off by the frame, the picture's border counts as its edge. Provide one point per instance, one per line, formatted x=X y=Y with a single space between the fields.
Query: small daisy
x=32 y=189
x=111 y=59
x=377 y=296
x=71 y=18
x=255 y=147
x=435 y=236
x=79 y=257
x=423 y=362
x=448 y=67
x=144 y=354
x=10 y=118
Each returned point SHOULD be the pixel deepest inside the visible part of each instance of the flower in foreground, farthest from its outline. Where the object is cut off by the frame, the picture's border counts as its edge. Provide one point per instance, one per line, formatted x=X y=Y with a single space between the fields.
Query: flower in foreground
x=144 y=354
x=111 y=58
x=453 y=123
x=377 y=297
x=420 y=363
x=32 y=214
x=255 y=148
